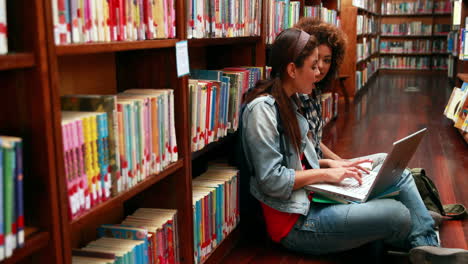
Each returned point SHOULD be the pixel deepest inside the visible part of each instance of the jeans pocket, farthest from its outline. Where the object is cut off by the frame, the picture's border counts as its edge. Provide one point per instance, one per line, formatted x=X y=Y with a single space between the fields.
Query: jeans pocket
x=310 y=224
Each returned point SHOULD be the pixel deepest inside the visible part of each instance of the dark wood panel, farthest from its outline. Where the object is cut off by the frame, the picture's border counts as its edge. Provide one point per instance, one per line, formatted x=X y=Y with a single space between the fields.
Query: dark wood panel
x=221 y=41
x=87 y=74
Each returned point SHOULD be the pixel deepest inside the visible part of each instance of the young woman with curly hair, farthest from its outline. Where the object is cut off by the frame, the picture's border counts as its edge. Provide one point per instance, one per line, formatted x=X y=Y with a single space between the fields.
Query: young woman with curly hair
x=332 y=47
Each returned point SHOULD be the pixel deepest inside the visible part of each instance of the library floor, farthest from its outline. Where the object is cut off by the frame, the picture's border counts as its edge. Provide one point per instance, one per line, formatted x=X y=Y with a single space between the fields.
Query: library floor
x=392 y=107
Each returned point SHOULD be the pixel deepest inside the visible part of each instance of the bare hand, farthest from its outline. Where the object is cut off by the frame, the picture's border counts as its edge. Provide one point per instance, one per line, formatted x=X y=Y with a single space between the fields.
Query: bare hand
x=349 y=164
x=336 y=175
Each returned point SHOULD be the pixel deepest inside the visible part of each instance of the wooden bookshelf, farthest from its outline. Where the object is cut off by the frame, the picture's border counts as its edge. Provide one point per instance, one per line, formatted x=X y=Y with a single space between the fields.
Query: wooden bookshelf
x=426 y=18
x=25 y=108
x=351 y=64
x=34 y=242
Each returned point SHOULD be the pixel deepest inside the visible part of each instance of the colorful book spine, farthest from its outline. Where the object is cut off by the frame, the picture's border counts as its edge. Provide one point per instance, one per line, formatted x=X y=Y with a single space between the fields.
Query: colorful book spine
x=19 y=194
x=8 y=185
x=2 y=219
x=3 y=28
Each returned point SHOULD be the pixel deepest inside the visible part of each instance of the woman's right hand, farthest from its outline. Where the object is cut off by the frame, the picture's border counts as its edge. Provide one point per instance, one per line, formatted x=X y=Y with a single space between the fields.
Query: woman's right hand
x=336 y=175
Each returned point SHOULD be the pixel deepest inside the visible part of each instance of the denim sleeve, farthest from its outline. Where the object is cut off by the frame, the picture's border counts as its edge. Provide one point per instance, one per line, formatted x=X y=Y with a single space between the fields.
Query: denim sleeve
x=263 y=150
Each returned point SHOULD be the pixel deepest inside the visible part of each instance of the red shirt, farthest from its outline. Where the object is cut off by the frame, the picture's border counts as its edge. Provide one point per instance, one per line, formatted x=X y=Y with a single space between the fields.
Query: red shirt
x=280 y=223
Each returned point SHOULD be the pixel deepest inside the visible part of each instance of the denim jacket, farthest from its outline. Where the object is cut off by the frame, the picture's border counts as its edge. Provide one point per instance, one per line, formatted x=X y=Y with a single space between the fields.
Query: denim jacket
x=272 y=183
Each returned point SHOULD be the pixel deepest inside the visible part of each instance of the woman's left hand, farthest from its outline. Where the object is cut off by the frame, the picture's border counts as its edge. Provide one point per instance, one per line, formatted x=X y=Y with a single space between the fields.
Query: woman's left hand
x=347 y=163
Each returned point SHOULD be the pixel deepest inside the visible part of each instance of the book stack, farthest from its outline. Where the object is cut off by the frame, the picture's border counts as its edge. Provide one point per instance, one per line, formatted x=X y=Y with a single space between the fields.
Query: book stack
x=368 y=5
x=366 y=25
x=215 y=207
x=215 y=100
x=457 y=107
x=11 y=196
x=3 y=28
x=119 y=20
x=319 y=11
x=120 y=141
x=409 y=46
x=439 y=46
x=406 y=29
x=408 y=62
x=281 y=15
x=413 y=7
x=329 y=102
x=442 y=6
x=148 y=236
x=220 y=19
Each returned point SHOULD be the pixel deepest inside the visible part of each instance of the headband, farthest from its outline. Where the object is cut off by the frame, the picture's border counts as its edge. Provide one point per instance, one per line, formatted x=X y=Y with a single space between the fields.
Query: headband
x=301 y=43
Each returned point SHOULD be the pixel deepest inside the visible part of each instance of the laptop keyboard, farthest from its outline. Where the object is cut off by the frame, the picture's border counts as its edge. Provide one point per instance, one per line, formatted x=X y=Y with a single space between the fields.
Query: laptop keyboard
x=352 y=185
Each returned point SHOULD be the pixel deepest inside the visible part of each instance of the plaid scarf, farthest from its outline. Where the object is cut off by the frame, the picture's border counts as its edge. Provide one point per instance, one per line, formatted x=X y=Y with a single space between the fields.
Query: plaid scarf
x=312 y=111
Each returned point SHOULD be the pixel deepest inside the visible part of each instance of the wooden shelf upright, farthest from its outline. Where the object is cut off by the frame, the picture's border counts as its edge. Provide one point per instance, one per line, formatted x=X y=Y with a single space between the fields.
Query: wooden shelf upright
x=25 y=112
x=352 y=64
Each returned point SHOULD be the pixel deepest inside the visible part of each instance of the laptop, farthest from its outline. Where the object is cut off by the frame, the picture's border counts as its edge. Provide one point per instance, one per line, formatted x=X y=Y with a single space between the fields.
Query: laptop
x=380 y=180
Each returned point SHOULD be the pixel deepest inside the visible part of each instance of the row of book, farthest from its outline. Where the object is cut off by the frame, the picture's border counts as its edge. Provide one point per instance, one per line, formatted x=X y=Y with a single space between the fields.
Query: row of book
x=440 y=63
x=366 y=24
x=319 y=11
x=443 y=6
x=414 y=46
x=215 y=100
x=281 y=15
x=148 y=236
x=390 y=7
x=329 y=102
x=442 y=29
x=215 y=200
x=362 y=76
x=460 y=46
x=82 y=21
x=113 y=142
x=367 y=5
x=406 y=29
x=407 y=62
x=457 y=107
x=11 y=195
x=453 y=42
x=366 y=48
x=3 y=28
x=225 y=18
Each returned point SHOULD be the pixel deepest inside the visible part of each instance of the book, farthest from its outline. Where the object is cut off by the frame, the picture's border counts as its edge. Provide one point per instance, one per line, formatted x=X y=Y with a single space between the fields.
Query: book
x=3 y=28
x=107 y=104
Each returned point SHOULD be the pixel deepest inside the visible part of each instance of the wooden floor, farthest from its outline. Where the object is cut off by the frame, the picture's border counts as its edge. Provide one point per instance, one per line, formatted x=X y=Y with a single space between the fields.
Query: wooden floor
x=392 y=107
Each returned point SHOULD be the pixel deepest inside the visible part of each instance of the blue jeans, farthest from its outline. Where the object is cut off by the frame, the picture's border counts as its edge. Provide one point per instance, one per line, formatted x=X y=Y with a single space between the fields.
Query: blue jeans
x=402 y=222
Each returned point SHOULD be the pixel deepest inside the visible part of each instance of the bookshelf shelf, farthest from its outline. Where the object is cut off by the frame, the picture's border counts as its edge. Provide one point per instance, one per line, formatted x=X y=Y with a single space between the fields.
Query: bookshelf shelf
x=407 y=36
x=224 y=247
x=222 y=41
x=463 y=77
x=33 y=243
x=16 y=61
x=406 y=54
x=362 y=10
x=368 y=58
x=89 y=48
x=407 y=15
x=120 y=198
x=213 y=146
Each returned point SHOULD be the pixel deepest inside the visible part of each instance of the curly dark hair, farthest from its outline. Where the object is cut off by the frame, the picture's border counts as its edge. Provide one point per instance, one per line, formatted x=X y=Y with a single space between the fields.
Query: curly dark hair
x=326 y=34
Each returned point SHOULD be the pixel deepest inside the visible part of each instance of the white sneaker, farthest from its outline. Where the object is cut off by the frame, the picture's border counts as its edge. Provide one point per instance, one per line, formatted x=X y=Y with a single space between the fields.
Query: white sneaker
x=430 y=254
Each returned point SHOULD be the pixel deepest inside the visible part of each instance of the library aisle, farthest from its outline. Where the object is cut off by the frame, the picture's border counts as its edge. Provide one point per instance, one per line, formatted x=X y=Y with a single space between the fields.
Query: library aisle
x=394 y=106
